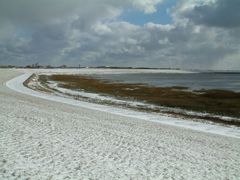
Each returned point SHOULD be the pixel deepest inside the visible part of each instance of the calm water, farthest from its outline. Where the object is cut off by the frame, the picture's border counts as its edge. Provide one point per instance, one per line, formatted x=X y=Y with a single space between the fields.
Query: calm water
x=196 y=81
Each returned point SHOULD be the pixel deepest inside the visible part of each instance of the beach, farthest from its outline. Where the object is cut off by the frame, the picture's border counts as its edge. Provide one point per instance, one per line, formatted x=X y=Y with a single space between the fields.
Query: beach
x=44 y=138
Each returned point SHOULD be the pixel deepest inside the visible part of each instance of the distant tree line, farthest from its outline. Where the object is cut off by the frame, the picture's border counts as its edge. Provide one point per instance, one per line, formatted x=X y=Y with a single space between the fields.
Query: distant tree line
x=35 y=66
x=63 y=66
x=7 y=66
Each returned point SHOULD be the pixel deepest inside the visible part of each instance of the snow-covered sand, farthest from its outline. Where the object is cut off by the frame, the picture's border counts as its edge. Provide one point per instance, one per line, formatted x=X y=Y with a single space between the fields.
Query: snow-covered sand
x=43 y=139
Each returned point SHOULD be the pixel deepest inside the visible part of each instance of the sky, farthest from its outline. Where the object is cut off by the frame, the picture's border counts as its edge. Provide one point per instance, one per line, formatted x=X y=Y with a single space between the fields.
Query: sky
x=186 y=34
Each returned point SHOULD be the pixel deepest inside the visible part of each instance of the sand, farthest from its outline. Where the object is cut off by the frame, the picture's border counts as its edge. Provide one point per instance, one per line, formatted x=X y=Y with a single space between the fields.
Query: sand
x=43 y=139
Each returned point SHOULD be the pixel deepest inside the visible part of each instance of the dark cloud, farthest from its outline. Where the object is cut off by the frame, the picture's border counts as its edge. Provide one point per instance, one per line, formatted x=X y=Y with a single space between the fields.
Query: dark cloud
x=221 y=13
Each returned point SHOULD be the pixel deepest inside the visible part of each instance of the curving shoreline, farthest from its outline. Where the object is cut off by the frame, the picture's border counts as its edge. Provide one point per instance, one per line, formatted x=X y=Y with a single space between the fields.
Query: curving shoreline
x=17 y=85
x=193 y=105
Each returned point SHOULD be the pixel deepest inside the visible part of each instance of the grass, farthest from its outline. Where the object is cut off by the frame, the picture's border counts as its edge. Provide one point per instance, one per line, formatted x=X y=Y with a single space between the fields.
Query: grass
x=217 y=102
x=41 y=88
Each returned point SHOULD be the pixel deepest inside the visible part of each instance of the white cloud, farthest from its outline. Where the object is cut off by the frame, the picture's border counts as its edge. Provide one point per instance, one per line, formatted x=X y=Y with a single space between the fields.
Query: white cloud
x=165 y=27
x=148 y=6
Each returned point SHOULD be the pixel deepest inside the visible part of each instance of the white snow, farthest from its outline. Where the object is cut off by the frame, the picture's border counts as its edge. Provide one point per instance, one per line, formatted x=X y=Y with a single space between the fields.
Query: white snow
x=107 y=71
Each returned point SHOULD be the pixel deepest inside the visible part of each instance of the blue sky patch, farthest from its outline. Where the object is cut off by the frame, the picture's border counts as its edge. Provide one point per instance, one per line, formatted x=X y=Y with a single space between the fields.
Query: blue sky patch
x=138 y=17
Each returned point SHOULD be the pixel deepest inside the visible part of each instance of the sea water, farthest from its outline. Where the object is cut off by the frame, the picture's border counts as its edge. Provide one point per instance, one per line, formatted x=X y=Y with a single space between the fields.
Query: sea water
x=193 y=81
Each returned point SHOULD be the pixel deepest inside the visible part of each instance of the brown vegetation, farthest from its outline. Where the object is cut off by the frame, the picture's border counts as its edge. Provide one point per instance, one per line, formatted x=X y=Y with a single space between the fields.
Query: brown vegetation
x=218 y=102
x=41 y=88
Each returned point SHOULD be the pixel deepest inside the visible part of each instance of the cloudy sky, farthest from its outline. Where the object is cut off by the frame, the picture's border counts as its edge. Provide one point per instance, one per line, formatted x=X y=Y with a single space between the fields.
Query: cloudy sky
x=188 y=34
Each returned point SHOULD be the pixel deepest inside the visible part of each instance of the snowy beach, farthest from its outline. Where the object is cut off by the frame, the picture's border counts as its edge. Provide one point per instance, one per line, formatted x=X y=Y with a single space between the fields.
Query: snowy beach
x=47 y=137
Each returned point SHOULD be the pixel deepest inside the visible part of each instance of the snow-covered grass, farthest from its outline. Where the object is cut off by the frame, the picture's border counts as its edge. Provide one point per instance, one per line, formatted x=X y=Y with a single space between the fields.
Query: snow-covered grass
x=72 y=93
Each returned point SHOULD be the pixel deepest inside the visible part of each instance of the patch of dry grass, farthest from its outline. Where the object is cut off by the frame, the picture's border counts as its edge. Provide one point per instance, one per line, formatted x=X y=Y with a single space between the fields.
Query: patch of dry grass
x=212 y=101
x=39 y=88
x=217 y=102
